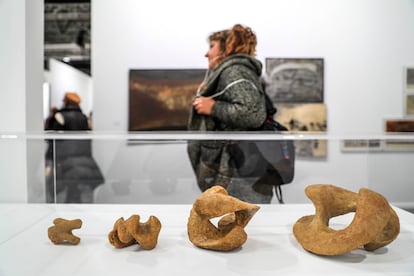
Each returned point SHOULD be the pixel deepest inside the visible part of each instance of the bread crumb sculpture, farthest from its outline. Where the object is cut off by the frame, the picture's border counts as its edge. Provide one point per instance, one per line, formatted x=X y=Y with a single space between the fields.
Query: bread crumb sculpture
x=234 y=215
x=375 y=223
x=61 y=231
x=132 y=231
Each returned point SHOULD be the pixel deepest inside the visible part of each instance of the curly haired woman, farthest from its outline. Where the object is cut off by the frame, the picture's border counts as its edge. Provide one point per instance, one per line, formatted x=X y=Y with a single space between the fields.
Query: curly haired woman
x=229 y=99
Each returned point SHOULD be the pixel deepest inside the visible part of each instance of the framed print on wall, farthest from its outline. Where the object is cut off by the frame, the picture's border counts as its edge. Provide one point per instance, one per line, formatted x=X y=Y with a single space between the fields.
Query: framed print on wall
x=409 y=105
x=295 y=80
x=310 y=117
x=408 y=95
x=409 y=78
x=361 y=145
x=399 y=125
x=160 y=99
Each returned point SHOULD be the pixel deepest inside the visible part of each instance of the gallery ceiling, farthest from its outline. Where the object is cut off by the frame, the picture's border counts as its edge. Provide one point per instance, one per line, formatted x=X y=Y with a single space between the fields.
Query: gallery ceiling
x=67 y=33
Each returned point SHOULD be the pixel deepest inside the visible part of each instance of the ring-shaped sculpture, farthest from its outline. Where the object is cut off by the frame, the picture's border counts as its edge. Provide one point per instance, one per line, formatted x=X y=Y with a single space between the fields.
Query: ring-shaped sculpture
x=375 y=223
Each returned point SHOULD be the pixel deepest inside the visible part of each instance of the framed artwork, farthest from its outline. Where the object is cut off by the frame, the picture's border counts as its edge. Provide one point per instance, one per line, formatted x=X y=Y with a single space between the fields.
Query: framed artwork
x=302 y=117
x=160 y=99
x=310 y=117
x=409 y=105
x=403 y=145
x=295 y=80
x=361 y=145
x=409 y=78
x=399 y=125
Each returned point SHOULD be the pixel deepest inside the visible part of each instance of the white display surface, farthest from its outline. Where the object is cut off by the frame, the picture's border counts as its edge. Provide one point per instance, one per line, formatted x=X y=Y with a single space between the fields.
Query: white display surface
x=270 y=249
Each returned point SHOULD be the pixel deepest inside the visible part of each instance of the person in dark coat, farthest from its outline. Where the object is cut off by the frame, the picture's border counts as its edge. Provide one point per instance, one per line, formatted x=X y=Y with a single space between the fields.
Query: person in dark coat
x=77 y=173
x=229 y=99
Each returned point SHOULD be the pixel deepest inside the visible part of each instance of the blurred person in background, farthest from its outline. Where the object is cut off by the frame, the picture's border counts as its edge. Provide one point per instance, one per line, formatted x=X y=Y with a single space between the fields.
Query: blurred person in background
x=74 y=171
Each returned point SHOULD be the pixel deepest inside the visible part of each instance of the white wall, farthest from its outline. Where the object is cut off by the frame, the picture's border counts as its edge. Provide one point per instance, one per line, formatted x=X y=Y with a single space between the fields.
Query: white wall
x=365 y=45
x=21 y=69
x=12 y=66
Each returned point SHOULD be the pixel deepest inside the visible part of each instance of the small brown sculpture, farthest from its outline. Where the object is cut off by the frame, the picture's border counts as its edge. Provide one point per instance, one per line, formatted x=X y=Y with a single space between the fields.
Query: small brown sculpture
x=61 y=232
x=375 y=223
x=229 y=234
x=131 y=231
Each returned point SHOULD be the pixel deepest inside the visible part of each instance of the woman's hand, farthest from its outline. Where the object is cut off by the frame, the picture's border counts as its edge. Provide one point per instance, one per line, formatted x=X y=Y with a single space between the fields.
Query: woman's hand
x=203 y=105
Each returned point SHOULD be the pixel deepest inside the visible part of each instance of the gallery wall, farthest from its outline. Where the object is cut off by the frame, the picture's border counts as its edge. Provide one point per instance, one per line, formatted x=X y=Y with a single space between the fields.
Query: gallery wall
x=21 y=76
x=365 y=45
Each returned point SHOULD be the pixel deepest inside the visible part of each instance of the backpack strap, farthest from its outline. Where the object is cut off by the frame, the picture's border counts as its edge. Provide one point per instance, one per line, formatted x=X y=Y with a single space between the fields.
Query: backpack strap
x=232 y=84
x=278 y=193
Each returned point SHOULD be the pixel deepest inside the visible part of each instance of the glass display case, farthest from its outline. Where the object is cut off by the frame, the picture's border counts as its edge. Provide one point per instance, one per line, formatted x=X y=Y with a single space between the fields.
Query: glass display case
x=154 y=167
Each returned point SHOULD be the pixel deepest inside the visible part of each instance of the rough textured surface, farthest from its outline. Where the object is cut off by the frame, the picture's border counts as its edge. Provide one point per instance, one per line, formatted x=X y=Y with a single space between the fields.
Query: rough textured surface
x=234 y=215
x=61 y=231
x=375 y=223
x=131 y=231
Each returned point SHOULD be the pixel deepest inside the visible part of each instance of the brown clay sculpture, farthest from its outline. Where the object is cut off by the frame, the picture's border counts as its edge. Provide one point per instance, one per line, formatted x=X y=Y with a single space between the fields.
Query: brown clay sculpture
x=61 y=231
x=132 y=231
x=375 y=223
x=234 y=215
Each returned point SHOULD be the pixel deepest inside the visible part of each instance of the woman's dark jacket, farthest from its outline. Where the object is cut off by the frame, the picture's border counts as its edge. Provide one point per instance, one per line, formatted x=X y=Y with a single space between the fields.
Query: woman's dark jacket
x=241 y=107
x=74 y=162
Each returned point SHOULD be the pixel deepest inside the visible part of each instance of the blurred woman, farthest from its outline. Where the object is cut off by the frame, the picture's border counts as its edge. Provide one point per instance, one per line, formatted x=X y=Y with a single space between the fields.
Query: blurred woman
x=229 y=99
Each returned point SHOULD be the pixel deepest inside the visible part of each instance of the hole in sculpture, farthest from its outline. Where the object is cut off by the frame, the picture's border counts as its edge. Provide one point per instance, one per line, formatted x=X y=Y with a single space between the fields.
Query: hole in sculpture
x=341 y=222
